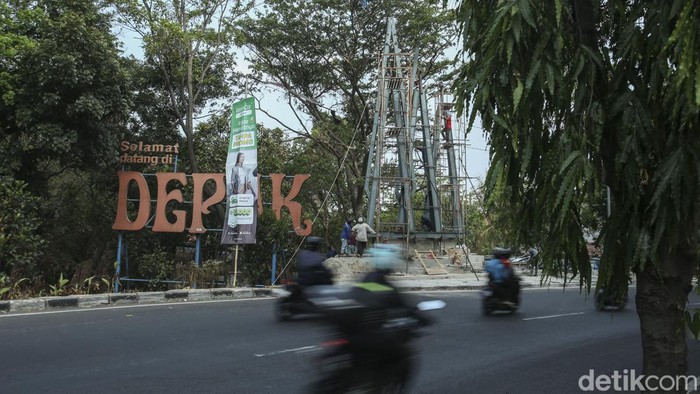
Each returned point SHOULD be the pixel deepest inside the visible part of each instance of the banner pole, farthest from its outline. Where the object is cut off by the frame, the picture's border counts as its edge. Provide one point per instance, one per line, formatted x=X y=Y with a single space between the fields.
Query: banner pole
x=235 y=266
x=274 y=264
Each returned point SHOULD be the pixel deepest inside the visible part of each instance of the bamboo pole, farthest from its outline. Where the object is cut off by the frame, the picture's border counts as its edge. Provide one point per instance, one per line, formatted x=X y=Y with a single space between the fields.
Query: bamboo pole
x=235 y=266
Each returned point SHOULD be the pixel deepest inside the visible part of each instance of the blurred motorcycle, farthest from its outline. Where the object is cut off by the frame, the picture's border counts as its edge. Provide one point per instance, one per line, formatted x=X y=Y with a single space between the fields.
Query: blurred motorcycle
x=294 y=299
x=494 y=300
x=609 y=299
x=370 y=349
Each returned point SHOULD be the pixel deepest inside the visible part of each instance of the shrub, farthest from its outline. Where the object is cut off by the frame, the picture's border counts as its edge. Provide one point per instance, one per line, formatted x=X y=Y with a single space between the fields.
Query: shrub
x=20 y=244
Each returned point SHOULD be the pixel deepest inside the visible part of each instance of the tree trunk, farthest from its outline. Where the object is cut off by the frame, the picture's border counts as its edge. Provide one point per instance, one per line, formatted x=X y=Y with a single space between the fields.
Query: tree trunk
x=661 y=300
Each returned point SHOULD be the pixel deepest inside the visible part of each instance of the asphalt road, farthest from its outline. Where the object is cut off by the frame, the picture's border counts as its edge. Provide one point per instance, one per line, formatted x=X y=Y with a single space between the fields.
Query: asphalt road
x=238 y=347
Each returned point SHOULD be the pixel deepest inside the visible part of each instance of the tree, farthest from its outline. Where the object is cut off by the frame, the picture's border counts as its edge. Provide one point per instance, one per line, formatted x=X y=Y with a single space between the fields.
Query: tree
x=64 y=98
x=190 y=46
x=589 y=93
x=63 y=91
x=323 y=56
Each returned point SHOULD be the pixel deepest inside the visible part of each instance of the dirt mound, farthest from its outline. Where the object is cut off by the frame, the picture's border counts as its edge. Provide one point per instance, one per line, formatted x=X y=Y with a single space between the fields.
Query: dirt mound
x=353 y=268
x=349 y=268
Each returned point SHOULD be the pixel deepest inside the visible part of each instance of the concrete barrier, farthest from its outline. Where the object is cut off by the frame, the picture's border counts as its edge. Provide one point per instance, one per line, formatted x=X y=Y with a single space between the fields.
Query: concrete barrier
x=198 y=295
x=262 y=292
x=222 y=294
x=151 y=297
x=92 y=300
x=28 y=305
x=62 y=302
x=176 y=295
x=127 y=298
x=242 y=293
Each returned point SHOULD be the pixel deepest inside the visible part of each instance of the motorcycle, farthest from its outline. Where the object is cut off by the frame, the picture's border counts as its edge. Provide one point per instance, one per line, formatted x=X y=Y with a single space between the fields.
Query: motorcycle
x=295 y=299
x=608 y=299
x=521 y=260
x=493 y=300
x=369 y=350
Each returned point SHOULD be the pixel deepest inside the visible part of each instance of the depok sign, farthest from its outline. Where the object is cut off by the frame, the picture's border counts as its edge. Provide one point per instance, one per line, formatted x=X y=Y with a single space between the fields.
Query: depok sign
x=166 y=193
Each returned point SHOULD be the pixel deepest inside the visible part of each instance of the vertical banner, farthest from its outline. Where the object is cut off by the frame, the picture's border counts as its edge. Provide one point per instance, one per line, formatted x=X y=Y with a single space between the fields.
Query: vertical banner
x=242 y=176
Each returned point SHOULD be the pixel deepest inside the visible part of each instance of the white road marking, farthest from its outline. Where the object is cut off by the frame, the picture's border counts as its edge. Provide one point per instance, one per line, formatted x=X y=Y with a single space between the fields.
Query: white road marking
x=553 y=316
x=299 y=349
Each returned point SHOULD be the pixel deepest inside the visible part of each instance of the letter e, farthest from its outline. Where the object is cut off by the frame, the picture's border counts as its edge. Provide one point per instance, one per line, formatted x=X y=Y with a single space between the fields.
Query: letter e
x=162 y=224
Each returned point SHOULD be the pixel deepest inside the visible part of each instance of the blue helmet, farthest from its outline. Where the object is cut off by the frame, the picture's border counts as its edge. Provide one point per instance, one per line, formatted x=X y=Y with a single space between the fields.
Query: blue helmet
x=385 y=256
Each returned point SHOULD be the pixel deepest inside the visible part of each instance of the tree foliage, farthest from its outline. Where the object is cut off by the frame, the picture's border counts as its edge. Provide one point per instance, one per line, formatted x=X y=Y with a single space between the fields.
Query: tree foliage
x=77 y=216
x=64 y=99
x=20 y=243
x=189 y=46
x=63 y=91
x=587 y=94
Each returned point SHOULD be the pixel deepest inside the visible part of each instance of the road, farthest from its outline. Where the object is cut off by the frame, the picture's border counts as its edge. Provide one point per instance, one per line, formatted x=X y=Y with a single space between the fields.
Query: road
x=238 y=347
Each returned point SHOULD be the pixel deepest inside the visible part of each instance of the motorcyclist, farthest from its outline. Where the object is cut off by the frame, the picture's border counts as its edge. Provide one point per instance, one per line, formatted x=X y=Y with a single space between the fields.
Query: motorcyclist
x=502 y=279
x=383 y=301
x=310 y=265
x=381 y=330
x=311 y=274
x=376 y=286
x=376 y=325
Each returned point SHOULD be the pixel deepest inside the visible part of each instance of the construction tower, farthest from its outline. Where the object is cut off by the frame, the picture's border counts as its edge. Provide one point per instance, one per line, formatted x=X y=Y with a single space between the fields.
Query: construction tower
x=412 y=182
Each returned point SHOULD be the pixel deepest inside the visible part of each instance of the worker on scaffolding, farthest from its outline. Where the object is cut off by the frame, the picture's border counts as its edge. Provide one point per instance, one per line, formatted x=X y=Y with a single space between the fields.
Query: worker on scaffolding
x=448 y=120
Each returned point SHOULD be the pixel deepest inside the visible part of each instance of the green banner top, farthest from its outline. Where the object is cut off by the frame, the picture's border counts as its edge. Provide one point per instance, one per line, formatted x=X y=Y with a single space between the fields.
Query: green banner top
x=243 y=125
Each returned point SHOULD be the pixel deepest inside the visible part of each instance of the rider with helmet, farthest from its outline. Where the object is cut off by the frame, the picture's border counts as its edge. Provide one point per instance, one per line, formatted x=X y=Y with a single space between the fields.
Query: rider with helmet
x=378 y=294
x=310 y=265
x=384 y=259
x=502 y=278
x=377 y=327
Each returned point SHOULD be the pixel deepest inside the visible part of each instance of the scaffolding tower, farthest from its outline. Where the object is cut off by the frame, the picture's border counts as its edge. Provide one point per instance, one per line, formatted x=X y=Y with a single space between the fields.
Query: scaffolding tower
x=413 y=183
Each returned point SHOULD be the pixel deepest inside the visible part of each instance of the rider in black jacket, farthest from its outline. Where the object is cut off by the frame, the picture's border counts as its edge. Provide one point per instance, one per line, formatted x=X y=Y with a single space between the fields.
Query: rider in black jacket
x=310 y=266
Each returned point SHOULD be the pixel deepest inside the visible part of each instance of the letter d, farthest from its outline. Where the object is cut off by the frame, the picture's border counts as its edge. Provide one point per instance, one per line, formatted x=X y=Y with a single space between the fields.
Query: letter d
x=122 y=222
x=589 y=386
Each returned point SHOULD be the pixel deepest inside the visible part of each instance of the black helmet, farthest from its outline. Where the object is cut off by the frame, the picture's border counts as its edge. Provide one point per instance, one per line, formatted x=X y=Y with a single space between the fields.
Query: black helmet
x=313 y=243
x=501 y=253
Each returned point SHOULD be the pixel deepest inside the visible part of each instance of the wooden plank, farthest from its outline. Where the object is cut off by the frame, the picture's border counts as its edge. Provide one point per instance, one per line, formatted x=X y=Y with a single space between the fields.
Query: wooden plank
x=435 y=271
x=420 y=260
x=430 y=270
x=439 y=269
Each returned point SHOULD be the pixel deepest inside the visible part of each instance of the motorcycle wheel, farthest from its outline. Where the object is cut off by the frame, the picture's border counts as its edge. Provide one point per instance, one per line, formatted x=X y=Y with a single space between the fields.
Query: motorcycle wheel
x=342 y=380
x=517 y=304
x=283 y=311
x=599 y=305
x=486 y=308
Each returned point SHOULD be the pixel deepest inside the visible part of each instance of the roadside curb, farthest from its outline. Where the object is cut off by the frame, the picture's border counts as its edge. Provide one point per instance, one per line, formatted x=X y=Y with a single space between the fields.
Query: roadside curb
x=96 y=300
